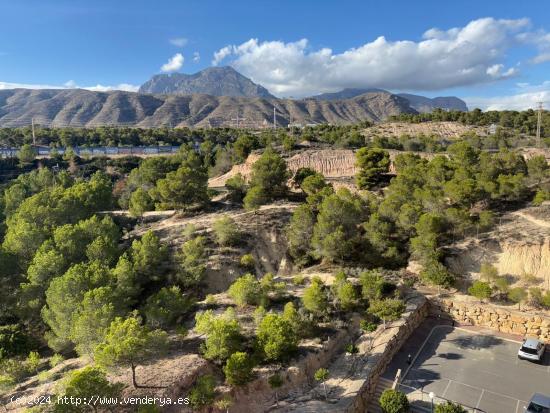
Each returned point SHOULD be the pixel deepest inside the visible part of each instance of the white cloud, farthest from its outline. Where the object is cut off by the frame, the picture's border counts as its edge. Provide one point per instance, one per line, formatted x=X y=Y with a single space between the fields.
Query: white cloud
x=526 y=97
x=222 y=54
x=71 y=84
x=174 y=63
x=443 y=59
x=541 y=58
x=179 y=41
x=126 y=87
x=196 y=57
x=541 y=40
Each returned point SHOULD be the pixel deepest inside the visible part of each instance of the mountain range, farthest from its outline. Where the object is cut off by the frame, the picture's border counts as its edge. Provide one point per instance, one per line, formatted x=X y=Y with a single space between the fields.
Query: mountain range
x=226 y=81
x=419 y=103
x=79 y=108
x=217 y=96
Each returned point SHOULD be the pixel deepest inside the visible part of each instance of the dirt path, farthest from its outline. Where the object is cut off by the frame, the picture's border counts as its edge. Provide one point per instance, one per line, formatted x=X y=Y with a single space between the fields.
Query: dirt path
x=533 y=220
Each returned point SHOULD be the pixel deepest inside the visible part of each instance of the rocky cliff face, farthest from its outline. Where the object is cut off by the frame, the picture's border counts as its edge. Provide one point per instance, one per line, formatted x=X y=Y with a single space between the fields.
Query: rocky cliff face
x=332 y=163
x=518 y=248
x=215 y=81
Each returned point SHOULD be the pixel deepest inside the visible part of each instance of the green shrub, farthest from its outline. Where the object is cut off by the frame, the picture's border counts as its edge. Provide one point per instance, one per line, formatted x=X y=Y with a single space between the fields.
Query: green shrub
x=236 y=186
x=246 y=290
x=315 y=298
x=45 y=376
x=33 y=362
x=298 y=280
x=6 y=382
x=481 y=290
x=321 y=375
x=248 y=262
x=517 y=295
x=393 y=401
x=226 y=231
x=13 y=341
x=163 y=308
x=223 y=336
x=203 y=392
x=13 y=370
x=368 y=326
x=276 y=337
x=238 y=368
x=449 y=407
x=488 y=272
x=435 y=273
x=502 y=285
x=352 y=349
x=210 y=299
x=55 y=360
x=389 y=309
x=374 y=286
x=259 y=314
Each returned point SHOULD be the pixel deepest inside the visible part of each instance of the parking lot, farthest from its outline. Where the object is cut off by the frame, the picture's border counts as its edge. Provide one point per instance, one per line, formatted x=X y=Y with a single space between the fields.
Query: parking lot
x=479 y=370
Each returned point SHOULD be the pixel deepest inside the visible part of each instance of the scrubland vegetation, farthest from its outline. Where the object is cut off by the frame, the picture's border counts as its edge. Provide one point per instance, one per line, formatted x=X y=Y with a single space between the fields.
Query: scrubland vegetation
x=76 y=284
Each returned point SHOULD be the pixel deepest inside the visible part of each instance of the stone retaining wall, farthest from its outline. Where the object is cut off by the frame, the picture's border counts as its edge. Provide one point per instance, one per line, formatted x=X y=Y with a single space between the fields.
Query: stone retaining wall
x=353 y=378
x=380 y=358
x=469 y=311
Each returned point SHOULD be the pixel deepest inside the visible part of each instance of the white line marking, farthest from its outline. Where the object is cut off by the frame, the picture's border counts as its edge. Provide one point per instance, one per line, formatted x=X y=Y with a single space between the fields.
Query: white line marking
x=517 y=407
x=421 y=348
x=483 y=333
x=480 y=397
x=452 y=328
x=446 y=388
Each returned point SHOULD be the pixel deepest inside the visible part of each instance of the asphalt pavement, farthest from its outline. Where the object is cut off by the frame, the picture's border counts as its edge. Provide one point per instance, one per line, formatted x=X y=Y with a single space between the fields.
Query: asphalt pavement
x=478 y=370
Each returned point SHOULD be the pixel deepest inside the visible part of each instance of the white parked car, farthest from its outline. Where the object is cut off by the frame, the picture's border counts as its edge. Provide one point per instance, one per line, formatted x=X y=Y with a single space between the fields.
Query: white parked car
x=532 y=349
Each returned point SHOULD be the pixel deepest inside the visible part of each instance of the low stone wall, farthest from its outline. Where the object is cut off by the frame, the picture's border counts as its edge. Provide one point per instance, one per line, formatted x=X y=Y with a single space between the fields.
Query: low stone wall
x=380 y=358
x=353 y=378
x=465 y=310
x=258 y=396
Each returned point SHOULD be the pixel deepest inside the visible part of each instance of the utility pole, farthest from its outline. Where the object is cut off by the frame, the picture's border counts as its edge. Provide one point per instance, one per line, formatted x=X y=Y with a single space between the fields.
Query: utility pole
x=33 y=135
x=237 y=119
x=539 y=121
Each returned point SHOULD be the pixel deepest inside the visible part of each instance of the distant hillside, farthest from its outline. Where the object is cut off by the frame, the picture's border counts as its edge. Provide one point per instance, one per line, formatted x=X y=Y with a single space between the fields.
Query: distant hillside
x=421 y=104
x=215 y=81
x=346 y=94
x=77 y=107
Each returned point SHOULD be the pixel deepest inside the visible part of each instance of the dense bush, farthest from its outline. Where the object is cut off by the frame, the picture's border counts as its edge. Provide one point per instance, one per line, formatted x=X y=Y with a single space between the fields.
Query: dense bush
x=246 y=290
x=223 y=334
x=276 y=337
x=163 y=308
x=393 y=401
x=449 y=407
x=226 y=231
x=203 y=392
x=238 y=368
x=14 y=341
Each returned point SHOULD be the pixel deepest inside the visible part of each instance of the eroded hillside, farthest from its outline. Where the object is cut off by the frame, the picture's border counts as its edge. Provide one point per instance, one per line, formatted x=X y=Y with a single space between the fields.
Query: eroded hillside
x=518 y=247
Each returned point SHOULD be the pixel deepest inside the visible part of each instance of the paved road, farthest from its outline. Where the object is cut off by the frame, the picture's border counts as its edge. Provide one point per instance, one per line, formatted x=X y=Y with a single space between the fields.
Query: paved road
x=478 y=370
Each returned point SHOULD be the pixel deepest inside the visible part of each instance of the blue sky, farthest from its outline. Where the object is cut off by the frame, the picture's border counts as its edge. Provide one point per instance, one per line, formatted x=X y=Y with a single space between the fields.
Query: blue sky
x=489 y=52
